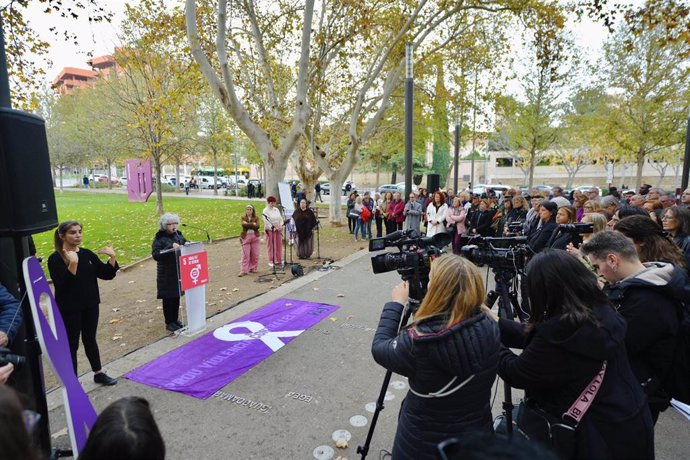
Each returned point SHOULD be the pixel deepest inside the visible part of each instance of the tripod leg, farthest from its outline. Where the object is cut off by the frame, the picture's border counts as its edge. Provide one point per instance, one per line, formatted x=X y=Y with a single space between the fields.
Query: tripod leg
x=364 y=450
x=504 y=304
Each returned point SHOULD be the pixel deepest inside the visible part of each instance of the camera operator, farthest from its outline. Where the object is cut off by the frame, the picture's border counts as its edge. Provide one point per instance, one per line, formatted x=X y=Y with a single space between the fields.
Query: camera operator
x=539 y=238
x=572 y=336
x=10 y=321
x=449 y=353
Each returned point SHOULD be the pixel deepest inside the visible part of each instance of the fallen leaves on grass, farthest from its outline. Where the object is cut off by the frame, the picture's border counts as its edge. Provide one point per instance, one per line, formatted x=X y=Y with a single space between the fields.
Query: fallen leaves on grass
x=341 y=444
x=117 y=337
x=115 y=321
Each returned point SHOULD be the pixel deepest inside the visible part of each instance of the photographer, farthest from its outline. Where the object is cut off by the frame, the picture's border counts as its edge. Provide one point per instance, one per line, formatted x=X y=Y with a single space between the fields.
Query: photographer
x=449 y=354
x=573 y=334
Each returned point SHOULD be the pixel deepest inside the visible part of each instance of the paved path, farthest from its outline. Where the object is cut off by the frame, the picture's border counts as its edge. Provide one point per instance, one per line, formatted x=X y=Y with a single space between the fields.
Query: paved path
x=330 y=364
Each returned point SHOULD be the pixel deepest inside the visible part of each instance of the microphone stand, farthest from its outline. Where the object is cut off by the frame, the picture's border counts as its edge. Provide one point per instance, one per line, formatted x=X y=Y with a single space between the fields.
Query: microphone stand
x=208 y=237
x=318 y=224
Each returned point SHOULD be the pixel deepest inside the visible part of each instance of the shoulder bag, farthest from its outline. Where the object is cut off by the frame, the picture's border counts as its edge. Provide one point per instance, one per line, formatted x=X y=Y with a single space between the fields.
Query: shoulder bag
x=557 y=432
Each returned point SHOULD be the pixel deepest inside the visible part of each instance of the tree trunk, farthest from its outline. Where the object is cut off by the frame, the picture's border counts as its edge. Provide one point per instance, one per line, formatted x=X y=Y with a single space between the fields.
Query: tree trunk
x=215 y=171
x=155 y=155
x=532 y=157
x=571 y=178
x=335 y=209
x=61 y=186
x=109 y=163
x=640 y=165
x=275 y=172
x=177 y=175
x=378 y=175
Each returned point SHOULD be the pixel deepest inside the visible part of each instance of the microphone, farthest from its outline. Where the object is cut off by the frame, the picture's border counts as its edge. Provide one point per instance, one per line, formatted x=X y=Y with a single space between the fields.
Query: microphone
x=208 y=237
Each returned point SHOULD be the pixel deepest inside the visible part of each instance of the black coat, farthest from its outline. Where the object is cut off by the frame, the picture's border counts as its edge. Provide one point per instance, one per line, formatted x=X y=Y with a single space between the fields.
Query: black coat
x=167 y=280
x=431 y=361
x=649 y=303
x=683 y=242
x=80 y=291
x=481 y=221
x=560 y=359
x=539 y=239
x=561 y=240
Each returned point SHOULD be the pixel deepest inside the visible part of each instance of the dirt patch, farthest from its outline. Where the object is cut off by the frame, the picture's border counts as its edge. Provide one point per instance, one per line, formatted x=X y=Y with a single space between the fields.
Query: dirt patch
x=131 y=317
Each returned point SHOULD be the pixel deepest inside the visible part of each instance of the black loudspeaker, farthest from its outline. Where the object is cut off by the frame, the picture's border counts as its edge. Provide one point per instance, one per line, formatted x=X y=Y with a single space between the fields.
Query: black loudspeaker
x=27 y=199
x=433 y=182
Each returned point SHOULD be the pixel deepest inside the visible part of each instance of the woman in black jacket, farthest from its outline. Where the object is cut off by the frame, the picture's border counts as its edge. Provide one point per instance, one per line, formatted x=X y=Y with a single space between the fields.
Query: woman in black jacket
x=75 y=272
x=167 y=280
x=541 y=236
x=449 y=355
x=480 y=221
x=572 y=332
x=561 y=238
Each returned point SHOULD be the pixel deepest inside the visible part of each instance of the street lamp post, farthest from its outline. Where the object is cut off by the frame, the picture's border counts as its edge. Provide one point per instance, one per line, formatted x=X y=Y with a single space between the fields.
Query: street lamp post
x=456 y=156
x=237 y=185
x=686 y=161
x=409 y=95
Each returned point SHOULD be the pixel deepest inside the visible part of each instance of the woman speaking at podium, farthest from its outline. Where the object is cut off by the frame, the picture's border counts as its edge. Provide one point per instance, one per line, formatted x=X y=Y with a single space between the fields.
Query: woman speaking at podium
x=167 y=279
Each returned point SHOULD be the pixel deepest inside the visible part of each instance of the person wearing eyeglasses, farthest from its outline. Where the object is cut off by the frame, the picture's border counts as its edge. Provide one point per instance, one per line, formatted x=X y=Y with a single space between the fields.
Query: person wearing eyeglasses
x=167 y=282
x=676 y=221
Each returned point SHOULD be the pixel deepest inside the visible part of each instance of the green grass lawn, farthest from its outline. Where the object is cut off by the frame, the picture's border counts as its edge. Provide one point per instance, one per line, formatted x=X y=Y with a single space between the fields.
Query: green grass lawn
x=111 y=220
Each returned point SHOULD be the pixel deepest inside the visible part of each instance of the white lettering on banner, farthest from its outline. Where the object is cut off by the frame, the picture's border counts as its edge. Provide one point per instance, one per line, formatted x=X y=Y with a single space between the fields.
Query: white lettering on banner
x=242 y=401
x=256 y=331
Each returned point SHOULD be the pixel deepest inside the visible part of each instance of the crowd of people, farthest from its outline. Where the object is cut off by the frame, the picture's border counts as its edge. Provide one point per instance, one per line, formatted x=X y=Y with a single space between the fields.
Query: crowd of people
x=605 y=312
x=605 y=343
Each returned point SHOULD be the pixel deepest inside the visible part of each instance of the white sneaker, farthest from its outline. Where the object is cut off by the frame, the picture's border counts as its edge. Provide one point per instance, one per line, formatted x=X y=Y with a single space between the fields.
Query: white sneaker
x=270 y=264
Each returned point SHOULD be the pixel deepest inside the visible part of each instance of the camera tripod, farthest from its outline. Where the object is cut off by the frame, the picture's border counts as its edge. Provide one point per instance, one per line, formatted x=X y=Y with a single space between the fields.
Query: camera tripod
x=416 y=293
x=506 y=294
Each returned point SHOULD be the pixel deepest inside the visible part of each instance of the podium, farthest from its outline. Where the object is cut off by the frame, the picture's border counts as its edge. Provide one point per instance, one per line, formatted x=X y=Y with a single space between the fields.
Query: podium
x=193 y=270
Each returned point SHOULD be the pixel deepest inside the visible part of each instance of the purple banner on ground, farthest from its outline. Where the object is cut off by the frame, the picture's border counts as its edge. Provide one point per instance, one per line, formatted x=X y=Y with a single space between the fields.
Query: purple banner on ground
x=207 y=364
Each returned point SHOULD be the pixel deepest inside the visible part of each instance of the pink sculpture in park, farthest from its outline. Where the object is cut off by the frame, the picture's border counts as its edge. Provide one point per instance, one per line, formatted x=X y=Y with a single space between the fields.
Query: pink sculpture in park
x=139 y=179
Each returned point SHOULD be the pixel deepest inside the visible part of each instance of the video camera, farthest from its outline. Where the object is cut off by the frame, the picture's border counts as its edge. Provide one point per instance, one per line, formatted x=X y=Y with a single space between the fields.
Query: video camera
x=7 y=357
x=488 y=251
x=416 y=252
x=580 y=228
x=514 y=228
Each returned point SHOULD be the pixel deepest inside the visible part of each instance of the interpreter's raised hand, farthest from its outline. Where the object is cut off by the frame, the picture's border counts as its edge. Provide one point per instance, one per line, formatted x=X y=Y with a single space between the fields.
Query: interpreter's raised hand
x=71 y=256
x=487 y=311
x=401 y=293
x=107 y=251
